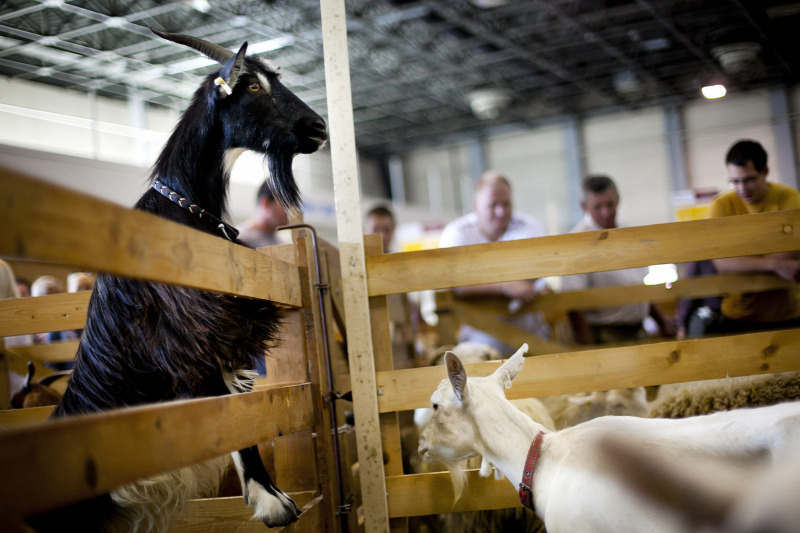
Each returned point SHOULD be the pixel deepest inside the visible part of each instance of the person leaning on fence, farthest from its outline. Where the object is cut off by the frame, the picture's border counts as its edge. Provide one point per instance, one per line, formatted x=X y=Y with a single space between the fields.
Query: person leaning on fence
x=599 y=202
x=261 y=228
x=24 y=287
x=403 y=313
x=746 y=163
x=43 y=286
x=493 y=220
x=9 y=288
x=697 y=316
x=380 y=220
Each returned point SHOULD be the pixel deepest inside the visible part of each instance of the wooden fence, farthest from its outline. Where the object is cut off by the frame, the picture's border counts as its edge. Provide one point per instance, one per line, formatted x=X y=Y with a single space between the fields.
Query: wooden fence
x=586 y=370
x=47 y=464
x=490 y=313
x=51 y=460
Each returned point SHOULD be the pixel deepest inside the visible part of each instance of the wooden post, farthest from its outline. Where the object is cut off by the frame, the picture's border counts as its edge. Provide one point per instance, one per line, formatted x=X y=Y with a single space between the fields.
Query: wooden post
x=5 y=387
x=354 y=280
x=382 y=344
x=447 y=326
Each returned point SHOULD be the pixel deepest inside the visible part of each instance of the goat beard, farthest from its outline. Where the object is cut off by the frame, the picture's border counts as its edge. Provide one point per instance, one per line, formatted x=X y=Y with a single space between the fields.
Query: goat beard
x=458 y=478
x=278 y=158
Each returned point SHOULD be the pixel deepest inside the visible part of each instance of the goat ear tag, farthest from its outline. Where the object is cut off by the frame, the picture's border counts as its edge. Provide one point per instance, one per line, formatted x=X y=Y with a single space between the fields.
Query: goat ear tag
x=506 y=380
x=223 y=85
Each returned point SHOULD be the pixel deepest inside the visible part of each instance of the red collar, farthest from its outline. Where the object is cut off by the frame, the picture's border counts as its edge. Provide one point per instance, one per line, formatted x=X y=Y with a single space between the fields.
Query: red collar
x=526 y=485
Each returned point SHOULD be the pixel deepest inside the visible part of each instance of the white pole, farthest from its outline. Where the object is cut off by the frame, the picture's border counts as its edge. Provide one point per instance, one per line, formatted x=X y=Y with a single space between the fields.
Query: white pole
x=354 y=278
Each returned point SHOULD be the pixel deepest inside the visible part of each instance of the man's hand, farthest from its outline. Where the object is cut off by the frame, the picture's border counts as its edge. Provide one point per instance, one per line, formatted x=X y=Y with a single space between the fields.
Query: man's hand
x=522 y=290
x=788 y=269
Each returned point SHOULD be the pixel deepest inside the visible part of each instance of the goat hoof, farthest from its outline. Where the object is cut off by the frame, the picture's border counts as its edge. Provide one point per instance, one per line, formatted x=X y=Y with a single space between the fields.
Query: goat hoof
x=271 y=505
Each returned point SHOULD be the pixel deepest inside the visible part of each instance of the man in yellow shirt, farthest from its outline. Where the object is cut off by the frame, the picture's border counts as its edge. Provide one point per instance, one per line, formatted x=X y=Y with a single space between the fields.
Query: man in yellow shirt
x=746 y=162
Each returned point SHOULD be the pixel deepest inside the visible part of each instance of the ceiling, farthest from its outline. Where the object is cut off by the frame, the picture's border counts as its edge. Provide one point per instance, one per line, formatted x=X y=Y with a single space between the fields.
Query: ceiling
x=414 y=64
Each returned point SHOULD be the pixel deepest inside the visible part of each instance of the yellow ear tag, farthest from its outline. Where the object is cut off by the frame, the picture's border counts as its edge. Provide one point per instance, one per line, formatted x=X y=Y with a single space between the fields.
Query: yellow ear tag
x=222 y=83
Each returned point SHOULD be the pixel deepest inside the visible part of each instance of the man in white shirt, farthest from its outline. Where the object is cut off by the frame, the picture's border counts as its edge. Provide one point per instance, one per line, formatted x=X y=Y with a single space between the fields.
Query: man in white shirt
x=599 y=202
x=493 y=220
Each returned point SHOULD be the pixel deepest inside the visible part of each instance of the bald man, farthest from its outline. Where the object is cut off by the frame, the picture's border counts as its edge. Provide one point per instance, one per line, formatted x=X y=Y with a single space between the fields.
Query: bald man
x=493 y=219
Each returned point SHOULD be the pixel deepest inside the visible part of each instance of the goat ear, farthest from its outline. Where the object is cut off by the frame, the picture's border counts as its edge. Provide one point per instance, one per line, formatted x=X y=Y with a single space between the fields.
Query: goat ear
x=230 y=72
x=457 y=375
x=511 y=367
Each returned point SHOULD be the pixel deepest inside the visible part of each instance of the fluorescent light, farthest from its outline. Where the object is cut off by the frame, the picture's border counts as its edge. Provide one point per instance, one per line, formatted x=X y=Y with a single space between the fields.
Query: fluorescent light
x=201 y=5
x=714 y=91
x=271 y=45
x=257 y=48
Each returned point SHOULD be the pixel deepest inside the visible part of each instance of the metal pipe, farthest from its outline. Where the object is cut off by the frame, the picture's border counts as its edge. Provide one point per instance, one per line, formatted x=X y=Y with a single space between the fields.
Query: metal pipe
x=344 y=507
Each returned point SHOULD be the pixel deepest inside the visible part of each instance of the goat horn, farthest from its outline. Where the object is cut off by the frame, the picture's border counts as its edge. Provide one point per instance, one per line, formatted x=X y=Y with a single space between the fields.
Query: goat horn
x=218 y=53
x=26 y=386
x=50 y=378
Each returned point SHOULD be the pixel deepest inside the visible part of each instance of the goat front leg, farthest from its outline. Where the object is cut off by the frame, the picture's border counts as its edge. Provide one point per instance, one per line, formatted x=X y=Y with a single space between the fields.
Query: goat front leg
x=270 y=504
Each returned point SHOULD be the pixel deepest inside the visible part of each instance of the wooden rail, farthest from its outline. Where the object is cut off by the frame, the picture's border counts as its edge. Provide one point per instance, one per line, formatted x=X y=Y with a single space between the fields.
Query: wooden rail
x=487 y=313
x=231 y=514
x=10 y=418
x=49 y=223
x=690 y=288
x=58 y=351
x=612 y=368
x=84 y=456
x=427 y=494
x=578 y=253
x=54 y=312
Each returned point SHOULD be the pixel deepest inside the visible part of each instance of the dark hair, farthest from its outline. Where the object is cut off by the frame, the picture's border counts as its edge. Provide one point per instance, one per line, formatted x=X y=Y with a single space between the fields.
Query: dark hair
x=597 y=184
x=747 y=150
x=265 y=191
x=381 y=211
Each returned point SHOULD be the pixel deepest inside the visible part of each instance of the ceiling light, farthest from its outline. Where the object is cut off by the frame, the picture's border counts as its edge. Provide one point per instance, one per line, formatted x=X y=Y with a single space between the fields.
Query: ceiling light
x=714 y=91
x=736 y=58
x=487 y=104
x=201 y=5
x=626 y=82
x=272 y=44
x=257 y=48
x=488 y=4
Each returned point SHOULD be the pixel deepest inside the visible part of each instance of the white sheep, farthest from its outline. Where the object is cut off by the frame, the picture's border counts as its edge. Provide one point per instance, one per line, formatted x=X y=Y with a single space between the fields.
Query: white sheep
x=572 y=409
x=571 y=488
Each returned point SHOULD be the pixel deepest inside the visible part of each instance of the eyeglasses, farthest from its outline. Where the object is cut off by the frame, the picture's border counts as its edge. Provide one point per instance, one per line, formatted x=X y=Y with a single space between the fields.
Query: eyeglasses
x=748 y=180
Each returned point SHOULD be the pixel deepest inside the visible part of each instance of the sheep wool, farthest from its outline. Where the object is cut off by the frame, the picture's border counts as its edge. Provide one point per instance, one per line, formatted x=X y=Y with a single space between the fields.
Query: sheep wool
x=681 y=400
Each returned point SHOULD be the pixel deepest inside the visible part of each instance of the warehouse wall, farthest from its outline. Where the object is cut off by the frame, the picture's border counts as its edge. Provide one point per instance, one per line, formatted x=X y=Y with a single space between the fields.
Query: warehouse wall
x=105 y=147
x=631 y=147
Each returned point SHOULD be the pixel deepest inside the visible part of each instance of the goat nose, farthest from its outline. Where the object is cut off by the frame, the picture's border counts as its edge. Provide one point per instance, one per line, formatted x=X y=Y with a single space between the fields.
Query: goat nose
x=313 y=127
x=319 y=124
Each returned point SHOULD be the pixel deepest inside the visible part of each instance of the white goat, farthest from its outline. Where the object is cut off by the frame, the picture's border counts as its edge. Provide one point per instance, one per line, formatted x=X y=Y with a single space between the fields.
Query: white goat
x=572 y=488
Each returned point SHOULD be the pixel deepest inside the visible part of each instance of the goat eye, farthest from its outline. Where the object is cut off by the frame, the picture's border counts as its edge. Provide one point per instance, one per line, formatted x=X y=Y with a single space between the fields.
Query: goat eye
x=435 y=406
x=254 y=87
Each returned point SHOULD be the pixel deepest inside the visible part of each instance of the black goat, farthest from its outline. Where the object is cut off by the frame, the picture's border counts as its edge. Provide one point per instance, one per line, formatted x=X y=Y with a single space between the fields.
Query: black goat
x=148 y=342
